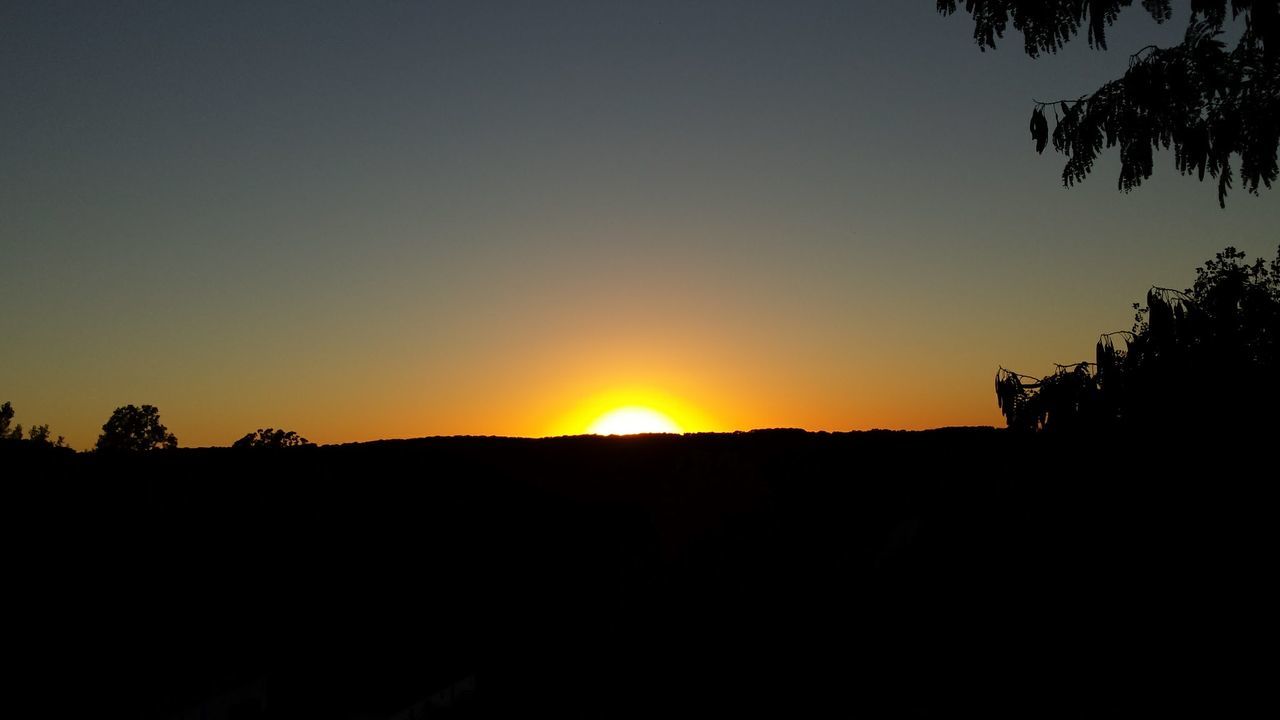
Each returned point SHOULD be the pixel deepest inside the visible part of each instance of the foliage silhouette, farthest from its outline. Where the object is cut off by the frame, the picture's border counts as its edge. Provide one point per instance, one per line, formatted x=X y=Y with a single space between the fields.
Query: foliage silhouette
x=1204 y=101
x=1065 y=400
x=1206 y=357
x=38 y=436
x=6 y=418
x=135 y=429
x=271 y=438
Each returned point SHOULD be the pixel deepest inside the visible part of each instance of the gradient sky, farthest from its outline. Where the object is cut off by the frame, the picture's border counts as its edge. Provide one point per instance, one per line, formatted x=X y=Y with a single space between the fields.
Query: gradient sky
x=400 y=218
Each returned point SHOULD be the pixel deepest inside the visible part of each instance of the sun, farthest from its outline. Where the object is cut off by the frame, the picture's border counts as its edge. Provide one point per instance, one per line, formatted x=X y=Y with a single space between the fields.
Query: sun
x=631 y=420
x=630 y=410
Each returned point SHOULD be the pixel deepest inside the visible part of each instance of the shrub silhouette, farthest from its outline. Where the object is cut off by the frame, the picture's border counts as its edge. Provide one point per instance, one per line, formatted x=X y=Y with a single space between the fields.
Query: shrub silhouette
x=1208 y=356
x=271 y=438
x=135 y=429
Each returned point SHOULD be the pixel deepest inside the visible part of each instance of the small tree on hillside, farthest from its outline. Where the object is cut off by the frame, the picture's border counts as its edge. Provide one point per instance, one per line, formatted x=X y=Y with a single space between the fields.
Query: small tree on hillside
x=271 y=438
x=135 y=429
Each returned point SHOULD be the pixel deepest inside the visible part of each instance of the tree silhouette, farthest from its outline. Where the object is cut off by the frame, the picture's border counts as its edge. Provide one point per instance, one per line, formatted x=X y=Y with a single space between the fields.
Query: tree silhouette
x=135 y=429
x=1204 y=101
x=6 y=418
x=1208 y=356
x=271 y=438
x=38 y=435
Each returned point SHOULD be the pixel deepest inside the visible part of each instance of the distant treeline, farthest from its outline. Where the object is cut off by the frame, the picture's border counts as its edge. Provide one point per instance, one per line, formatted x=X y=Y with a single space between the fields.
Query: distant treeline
x=131 y=428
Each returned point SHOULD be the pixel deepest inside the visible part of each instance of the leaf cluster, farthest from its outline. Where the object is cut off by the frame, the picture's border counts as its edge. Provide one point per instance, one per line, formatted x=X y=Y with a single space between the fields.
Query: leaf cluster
x=1048 y=25
x=1205 y=102
x=1062 y=401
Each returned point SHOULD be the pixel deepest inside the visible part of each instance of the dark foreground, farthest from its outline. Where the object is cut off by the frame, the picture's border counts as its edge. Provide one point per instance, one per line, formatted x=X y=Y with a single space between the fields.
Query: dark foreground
x=874 y=574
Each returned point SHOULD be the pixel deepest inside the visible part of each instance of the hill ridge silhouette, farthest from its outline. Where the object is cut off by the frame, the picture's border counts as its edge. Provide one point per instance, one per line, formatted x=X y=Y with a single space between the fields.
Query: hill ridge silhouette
x=975 y=569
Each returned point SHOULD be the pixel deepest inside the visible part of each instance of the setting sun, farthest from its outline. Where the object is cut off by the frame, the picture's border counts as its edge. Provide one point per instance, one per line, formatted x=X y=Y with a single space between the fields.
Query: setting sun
x=633 y=420
x=628 y=409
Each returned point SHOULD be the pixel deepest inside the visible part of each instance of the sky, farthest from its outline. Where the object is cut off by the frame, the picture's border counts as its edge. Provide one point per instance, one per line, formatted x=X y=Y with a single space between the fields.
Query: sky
x=399 y=218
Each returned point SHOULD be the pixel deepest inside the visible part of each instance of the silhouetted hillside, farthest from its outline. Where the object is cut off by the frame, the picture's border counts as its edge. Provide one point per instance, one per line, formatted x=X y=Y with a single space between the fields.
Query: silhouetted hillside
x=918 y=574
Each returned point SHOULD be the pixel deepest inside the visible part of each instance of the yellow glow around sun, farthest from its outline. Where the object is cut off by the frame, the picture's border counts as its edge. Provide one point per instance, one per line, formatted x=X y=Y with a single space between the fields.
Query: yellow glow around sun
x=632 y=420
x=626 y=410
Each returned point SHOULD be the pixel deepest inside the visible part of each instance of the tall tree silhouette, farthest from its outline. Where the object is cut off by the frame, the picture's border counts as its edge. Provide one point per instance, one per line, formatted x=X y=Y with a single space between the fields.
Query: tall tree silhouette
x=1206 y=102
x=135 y=429
x=1207 y=356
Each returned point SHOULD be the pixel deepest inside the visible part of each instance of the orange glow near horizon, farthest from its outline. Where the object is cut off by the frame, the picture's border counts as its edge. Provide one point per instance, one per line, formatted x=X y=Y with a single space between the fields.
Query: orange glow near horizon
x=632 y=411
x=633 y=420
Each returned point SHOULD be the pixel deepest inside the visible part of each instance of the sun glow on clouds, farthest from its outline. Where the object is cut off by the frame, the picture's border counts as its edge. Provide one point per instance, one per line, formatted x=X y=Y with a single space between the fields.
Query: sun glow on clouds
x=632 y=420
